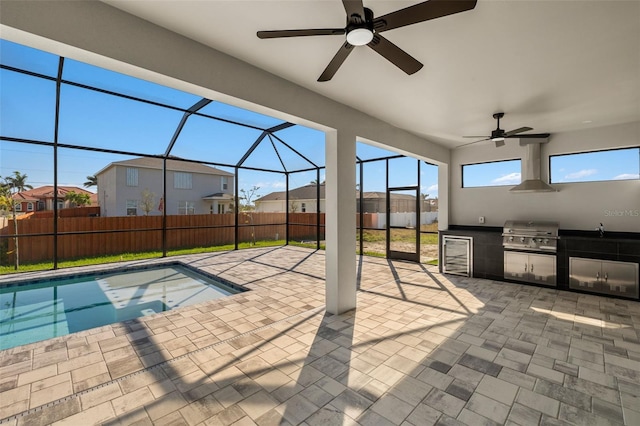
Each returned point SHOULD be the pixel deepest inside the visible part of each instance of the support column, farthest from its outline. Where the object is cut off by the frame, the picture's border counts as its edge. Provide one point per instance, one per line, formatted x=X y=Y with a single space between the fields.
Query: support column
x=443 y=197
x=340 y=215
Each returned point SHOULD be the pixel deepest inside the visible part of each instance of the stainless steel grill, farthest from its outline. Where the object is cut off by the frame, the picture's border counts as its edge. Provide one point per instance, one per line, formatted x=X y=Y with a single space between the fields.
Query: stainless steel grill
x=530 y=236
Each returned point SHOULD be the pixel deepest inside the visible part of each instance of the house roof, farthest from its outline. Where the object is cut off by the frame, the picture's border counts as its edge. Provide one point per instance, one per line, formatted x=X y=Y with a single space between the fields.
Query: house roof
x=308 y=192
x=44 y=192
x=172 y=165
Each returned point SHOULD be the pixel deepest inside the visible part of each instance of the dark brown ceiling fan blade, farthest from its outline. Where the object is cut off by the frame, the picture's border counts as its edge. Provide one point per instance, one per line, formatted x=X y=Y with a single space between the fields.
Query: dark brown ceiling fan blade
x=516 y=131
x=354 y=8
x=531 y=136
x=300 y=33
x=394 y=54
x=421 y=12
x=335 y=63
x=471 y=143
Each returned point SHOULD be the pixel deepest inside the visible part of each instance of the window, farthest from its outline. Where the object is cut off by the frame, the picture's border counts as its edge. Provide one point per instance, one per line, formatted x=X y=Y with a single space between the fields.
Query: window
x=132 y=207
x=303 y=208
x=497 y=173
x=18 y=207
x=186 y=207
x=221 y=208
x=60 y=204
x=615 y=164
x=41 y=205
x=29 y=207
x=225 y=183
x=182 y=180
x=132 y=176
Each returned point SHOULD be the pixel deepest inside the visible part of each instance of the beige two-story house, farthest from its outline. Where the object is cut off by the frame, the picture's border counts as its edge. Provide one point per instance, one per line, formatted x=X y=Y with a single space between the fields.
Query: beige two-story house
x=134 y=188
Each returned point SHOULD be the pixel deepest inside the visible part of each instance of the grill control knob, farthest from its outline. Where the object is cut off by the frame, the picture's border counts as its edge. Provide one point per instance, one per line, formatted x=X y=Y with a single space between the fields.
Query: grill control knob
x=546 y=240
x=510 y=238
x=522 y=239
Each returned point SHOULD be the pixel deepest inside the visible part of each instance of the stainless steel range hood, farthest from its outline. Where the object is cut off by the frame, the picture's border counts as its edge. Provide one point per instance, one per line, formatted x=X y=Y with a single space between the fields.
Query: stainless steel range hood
x=531 y=164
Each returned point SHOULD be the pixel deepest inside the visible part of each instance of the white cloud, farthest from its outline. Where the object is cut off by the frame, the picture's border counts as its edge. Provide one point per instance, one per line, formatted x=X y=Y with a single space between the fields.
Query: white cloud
x=627 y=176
x=511 y=178
x=581 y=174
x=433 y=187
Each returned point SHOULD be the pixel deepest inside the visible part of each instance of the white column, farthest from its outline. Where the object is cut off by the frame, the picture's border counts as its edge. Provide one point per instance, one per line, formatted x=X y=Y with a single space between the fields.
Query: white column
x=340 y=222
x=443 y=196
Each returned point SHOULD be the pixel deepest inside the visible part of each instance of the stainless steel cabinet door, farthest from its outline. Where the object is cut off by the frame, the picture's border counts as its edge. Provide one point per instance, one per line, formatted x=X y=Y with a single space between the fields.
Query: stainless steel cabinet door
x=620 y=278
x=585 y=274
x=516 y=265
x=542 y=269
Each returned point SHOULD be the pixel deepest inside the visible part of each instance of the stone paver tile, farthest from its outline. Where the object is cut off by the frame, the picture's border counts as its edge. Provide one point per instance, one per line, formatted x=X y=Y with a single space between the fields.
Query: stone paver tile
x=94 y=415
x=226 y=417
x=200 y=410
x=538 y=402
x=132 y=400
x=49 y=394
x=316 y=395
x=296 y=409
x=330 y=415
x=166 y=404
x=545 y=373
x=609 y=411
x=100 y=395
x=469 y=417
x=257 y=404
x=444 y=402
x=424 y=415
x=88 y=371
x=563 y=394
x=488 y=408
x=37 y=374
x=517 y=378
x=351 y=403
x=523 y=416
x=49 y=415
x=497 y=389
x=371 y=418
x=393 y=409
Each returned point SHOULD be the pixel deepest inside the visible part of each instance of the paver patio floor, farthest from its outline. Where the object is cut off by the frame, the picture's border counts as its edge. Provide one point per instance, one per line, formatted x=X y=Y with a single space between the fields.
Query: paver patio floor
x=421 y=348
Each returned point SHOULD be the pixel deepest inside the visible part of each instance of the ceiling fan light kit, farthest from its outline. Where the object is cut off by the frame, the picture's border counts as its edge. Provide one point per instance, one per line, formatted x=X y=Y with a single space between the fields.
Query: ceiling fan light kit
x=364 y=29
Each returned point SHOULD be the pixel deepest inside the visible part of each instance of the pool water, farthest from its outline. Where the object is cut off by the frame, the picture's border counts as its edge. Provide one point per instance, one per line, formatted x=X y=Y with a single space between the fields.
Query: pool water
x=34 y=312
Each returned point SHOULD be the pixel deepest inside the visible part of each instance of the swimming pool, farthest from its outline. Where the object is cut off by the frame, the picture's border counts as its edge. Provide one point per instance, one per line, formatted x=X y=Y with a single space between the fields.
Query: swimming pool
x=31 y=312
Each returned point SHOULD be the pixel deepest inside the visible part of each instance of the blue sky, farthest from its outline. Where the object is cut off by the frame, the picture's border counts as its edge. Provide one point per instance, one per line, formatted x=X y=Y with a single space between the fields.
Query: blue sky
x=88 y=118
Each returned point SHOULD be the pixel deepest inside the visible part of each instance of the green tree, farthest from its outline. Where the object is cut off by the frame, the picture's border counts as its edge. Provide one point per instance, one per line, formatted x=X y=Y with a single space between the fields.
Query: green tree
x=16 y=183
x=78 y=199
x=91 y=181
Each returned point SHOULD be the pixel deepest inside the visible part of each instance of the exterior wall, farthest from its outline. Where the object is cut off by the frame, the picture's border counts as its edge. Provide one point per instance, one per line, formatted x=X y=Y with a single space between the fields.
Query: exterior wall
x=278 y=206
x=113 y=188
x=576 y=206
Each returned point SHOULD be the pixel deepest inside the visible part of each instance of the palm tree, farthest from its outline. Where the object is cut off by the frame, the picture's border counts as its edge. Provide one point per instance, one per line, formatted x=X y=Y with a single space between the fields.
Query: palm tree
x=91 y=181
x=17 y=183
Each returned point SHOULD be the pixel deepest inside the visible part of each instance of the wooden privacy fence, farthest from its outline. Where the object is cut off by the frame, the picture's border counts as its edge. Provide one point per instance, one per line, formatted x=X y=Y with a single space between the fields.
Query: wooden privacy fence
x=80 y=237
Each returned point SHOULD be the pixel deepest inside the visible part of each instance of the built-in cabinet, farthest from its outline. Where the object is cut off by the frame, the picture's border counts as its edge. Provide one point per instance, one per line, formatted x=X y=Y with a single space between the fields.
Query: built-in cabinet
x=530 y=267
x=604 y=276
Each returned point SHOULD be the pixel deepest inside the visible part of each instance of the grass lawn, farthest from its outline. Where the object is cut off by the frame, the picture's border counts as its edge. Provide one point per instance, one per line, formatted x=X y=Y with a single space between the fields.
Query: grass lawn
x=399 y=235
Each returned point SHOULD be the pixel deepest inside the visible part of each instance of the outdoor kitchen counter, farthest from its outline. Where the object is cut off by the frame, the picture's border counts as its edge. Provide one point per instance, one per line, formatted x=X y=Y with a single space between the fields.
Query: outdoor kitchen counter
x=488 y=251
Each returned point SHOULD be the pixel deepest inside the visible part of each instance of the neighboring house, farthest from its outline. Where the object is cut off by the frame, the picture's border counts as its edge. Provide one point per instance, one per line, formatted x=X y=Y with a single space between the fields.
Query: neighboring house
x=301 y=200
x=304 y=200
x=42 y=198
x=134 y=188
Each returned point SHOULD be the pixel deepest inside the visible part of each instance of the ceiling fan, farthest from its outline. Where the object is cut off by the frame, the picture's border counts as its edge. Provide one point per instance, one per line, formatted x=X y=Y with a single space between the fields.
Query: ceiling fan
x=363 y=28
x=498 y=135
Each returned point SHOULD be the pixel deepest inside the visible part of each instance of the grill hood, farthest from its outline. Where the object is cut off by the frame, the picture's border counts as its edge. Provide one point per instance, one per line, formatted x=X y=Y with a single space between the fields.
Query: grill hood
x=531 y=164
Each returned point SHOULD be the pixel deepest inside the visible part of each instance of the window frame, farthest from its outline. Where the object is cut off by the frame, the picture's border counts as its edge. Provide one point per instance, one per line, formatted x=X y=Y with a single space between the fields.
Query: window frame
x=224 y=183
x=30 y=206
x=177 y=178
x=462 y=166
x=132 y=173
x=128 y=207
x=592 y=152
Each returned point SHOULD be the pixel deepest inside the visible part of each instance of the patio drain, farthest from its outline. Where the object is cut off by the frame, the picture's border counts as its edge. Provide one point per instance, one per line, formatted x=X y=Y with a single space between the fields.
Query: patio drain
x=309 y=313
